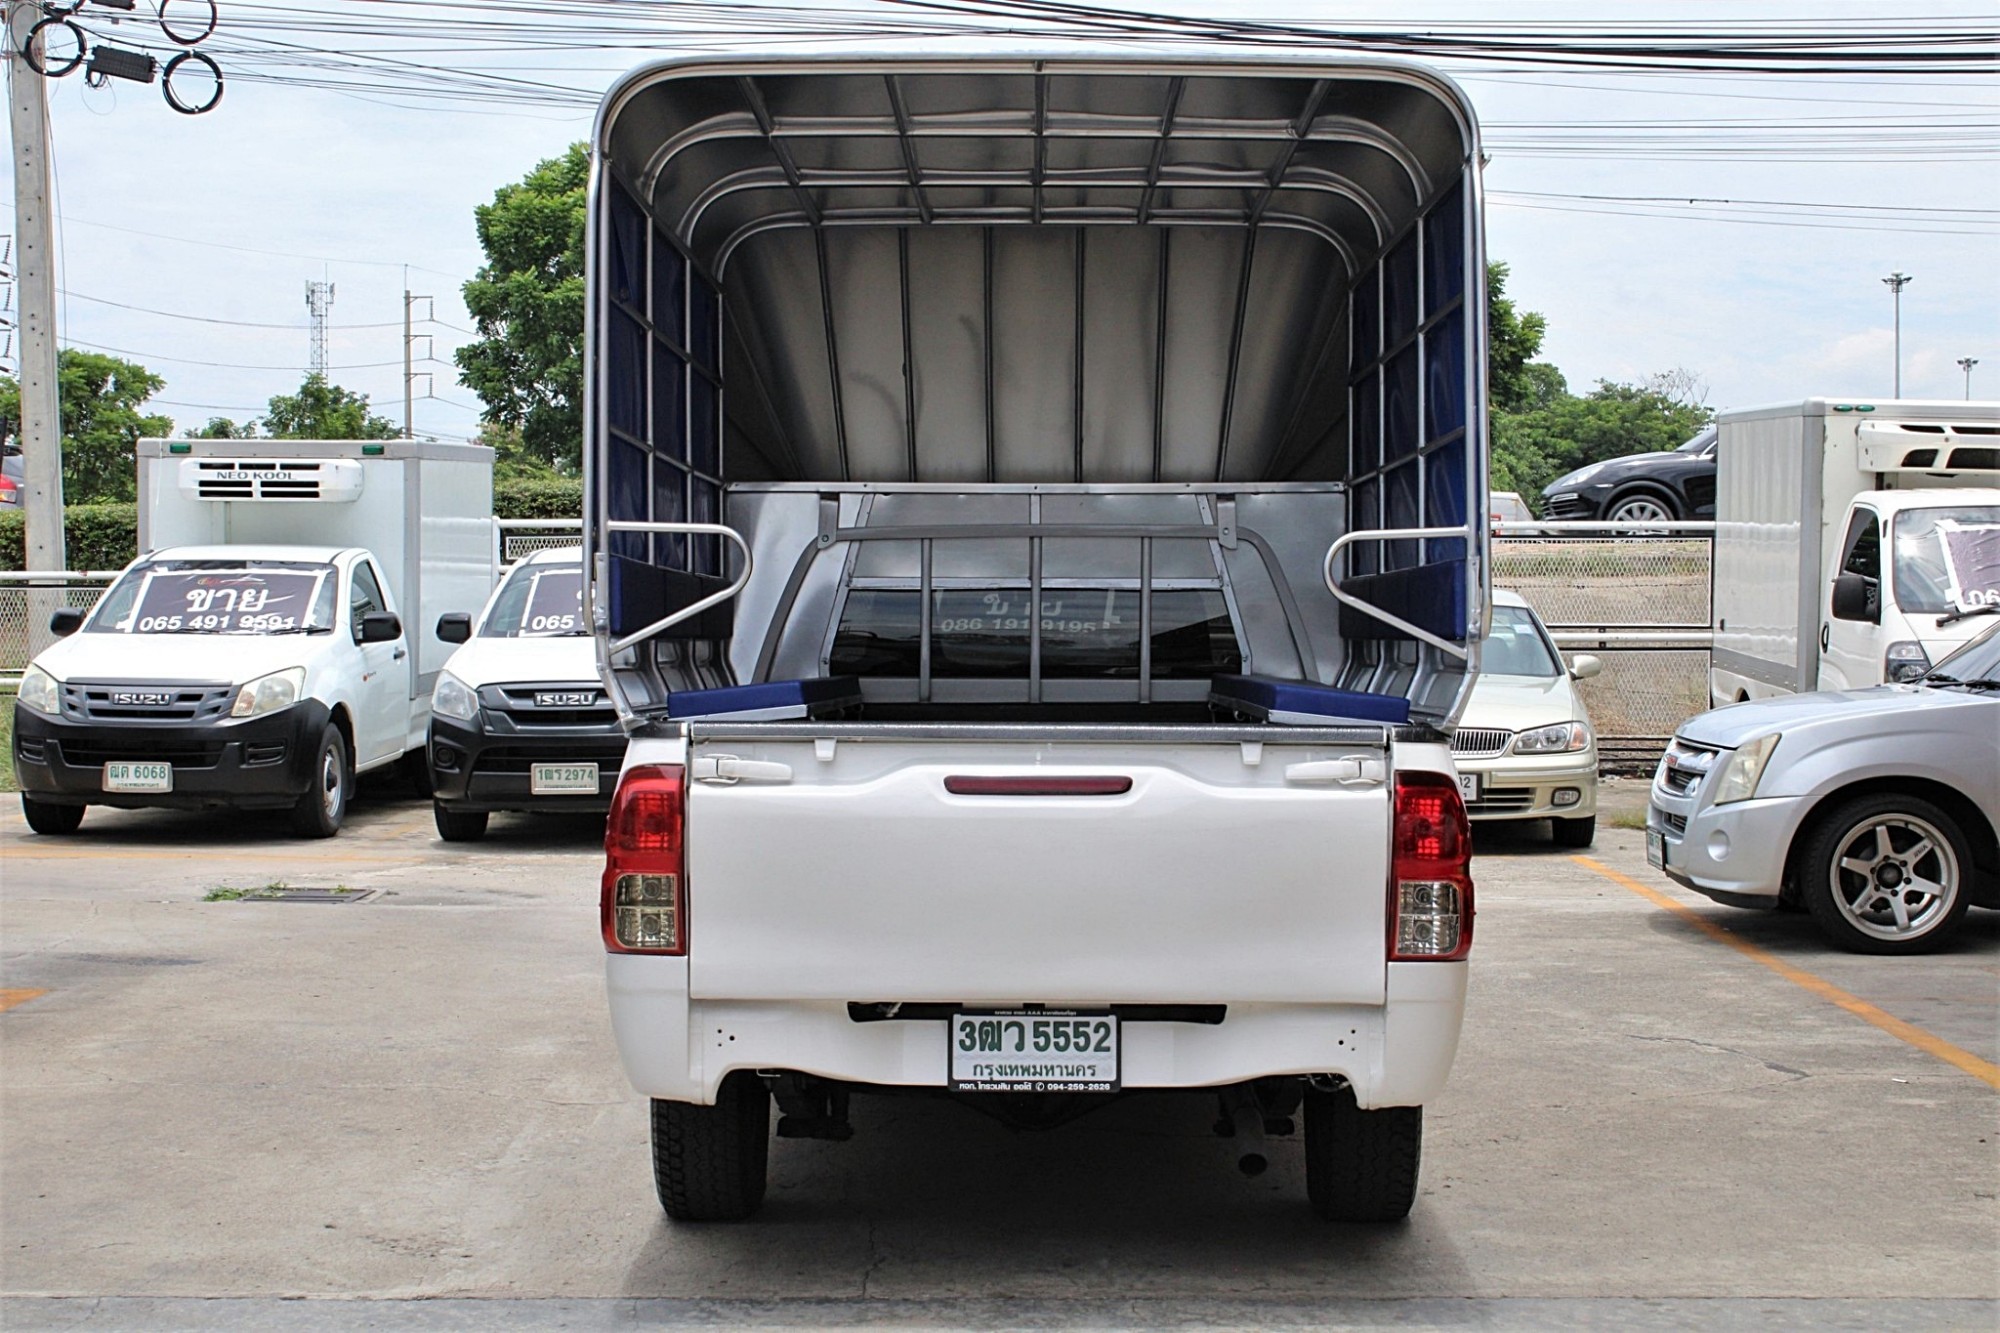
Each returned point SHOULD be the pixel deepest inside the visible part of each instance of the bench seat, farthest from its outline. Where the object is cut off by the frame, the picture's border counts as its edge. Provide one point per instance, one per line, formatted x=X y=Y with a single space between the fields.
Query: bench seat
x=768 y=701
x=1300 y=703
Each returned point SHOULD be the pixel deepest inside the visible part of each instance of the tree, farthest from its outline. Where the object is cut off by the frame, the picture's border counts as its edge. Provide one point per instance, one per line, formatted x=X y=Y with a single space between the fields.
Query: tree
x=1516 y=381
x=102 y=425
x=222 y=428
x=323 y=411
x=528 y=303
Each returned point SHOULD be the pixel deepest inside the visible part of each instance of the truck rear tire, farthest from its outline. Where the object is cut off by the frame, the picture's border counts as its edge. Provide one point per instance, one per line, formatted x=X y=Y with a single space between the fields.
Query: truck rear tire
x=49 y=819
x=1887 y=874
x=709 y=1161
x=1361 y=1166
x=323 y=809
x=458 y=825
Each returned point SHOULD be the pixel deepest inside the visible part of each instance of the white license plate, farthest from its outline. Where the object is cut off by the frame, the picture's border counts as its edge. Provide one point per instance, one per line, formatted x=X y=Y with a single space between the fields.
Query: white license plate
x=138 y=777
x=1468 y=786
x=563 y=780
x=1656 y=849
x=1040 y=1051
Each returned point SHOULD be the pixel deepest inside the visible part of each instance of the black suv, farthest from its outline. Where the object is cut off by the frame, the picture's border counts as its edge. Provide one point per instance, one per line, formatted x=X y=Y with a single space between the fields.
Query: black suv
x=1640 y=488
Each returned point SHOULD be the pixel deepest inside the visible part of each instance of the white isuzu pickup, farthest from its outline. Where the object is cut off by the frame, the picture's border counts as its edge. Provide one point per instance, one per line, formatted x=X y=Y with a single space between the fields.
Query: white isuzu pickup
x=1034 y=520
x=256 y=655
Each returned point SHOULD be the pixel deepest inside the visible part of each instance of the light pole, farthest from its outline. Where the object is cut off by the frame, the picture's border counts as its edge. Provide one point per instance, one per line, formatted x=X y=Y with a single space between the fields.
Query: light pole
x=1896 y=282
x=1966 y=363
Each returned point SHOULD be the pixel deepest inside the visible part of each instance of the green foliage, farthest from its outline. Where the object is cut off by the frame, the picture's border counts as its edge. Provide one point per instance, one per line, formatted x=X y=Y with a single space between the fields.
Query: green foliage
x=538 y=497
x=100 y=398
x=1516 y=381
x=97 y=536
x=323 y=411
x=511 y=459
x=528 y=303
x=222 y=428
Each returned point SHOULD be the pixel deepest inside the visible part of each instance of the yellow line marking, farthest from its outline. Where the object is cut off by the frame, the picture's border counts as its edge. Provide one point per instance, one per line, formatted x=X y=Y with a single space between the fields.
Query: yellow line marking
x=10 y=998
x=1982 y=1070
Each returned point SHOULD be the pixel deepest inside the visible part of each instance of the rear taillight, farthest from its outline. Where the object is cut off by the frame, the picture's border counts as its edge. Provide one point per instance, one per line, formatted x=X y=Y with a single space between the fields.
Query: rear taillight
x=643 y=903
x=1430 y=875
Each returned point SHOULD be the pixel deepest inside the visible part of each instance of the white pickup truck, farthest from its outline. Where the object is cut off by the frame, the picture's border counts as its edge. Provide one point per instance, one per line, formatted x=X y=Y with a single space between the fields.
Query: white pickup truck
x=257 y=655
x=1047 y=693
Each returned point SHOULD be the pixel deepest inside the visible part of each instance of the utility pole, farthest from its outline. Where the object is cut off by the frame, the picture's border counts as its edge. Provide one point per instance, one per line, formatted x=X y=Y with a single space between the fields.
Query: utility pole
x=1896 y=282
x=410 y=300
x=319 y=301
x=41 y=403
x=1966 y=363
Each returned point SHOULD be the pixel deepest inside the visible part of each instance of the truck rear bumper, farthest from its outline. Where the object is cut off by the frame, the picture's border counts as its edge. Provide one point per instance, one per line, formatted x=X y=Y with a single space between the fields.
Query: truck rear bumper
x=675 y=1049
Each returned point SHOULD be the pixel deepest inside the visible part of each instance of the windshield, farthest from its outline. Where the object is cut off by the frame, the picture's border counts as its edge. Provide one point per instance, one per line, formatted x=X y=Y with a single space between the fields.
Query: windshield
x=1700 y=444
x=218 y=597
x=538 y=602
x=1978 y=662
x=1515 y=646
x=1948 y=559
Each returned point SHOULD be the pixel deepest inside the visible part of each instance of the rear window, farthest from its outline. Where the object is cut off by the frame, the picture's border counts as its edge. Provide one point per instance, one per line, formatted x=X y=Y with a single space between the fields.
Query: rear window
x=538 y=602
x=987 y=633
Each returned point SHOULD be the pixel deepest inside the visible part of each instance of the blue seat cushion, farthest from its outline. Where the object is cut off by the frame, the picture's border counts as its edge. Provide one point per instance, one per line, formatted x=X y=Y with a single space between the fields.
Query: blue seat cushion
x=768 y=701
x=1300 y=703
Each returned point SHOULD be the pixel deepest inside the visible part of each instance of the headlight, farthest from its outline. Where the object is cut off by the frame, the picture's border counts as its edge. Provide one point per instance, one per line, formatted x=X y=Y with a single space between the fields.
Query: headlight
x=1576 y=478
x=1905 y=660
x=1561 y=738
x=452 y=698
x=40 y=692
x=267 y=694
x=1741 y=774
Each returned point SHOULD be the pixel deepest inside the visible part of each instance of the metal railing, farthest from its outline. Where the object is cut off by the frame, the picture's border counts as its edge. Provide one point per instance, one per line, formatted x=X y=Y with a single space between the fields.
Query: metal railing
x=26 y=601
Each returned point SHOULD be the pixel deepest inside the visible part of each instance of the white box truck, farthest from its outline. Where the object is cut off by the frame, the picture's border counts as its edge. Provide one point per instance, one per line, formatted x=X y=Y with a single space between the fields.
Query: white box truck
x=1856 y=542
x=1099 y=441
x=274 y=638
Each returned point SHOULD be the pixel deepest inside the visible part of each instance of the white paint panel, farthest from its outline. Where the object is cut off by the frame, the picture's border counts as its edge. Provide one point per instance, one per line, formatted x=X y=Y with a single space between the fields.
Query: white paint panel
x=863 y=879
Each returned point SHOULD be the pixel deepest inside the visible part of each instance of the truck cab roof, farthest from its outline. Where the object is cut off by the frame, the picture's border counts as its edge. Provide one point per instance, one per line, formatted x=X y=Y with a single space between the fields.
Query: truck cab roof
x=318 y=554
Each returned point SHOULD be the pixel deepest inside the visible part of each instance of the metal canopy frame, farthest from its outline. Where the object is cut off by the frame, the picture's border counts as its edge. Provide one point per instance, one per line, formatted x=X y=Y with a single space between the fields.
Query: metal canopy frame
x=1348 y=152
x=1307 y=129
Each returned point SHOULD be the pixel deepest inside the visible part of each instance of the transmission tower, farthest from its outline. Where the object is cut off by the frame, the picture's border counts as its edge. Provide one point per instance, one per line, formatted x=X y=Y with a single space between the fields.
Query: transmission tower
x=319 y=300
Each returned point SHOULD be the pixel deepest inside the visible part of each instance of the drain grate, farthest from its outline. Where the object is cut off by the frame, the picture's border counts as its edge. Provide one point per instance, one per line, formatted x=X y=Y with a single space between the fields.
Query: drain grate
x=289 y=893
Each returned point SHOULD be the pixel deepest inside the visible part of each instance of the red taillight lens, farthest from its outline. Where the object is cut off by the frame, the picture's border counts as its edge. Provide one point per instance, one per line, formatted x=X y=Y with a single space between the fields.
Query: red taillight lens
x=1430 y=876
x=642 y=904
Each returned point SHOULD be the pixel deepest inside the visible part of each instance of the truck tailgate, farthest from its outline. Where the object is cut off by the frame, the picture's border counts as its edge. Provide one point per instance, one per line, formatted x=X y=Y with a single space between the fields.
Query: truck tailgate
x=845 y=870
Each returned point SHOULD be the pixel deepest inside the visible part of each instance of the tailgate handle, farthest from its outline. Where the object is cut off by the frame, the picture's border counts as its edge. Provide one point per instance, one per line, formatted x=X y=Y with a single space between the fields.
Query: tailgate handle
x=727 y=770
x=960 y=785
x=1346 y=772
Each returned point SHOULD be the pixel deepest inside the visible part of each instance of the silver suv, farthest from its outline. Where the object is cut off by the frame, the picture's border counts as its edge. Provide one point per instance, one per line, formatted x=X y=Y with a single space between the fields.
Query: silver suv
x=1877 y=810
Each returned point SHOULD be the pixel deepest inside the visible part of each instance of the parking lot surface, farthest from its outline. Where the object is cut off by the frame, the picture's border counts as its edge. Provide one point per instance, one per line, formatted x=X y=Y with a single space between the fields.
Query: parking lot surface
x=398 y=1097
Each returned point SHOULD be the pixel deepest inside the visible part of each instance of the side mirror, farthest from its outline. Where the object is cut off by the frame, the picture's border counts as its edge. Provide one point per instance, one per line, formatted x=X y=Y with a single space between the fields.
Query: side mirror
x=65 y=622
x=454 y=627
x=381 y=627
x=1857 y=597
x=1584 y=665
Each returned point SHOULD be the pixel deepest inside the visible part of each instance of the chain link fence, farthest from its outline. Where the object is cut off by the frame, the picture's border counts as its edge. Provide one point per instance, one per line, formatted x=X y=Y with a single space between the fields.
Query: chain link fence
x=1638 y=602
x=27 y=601
x=520 y=538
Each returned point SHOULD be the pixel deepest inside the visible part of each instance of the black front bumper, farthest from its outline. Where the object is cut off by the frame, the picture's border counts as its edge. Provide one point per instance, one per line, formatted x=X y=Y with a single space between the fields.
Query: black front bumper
x=477 y=768
x=256 y=763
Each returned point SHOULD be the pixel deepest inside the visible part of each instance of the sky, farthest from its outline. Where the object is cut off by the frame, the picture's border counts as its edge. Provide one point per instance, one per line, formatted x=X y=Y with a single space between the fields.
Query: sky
x=186 y=243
